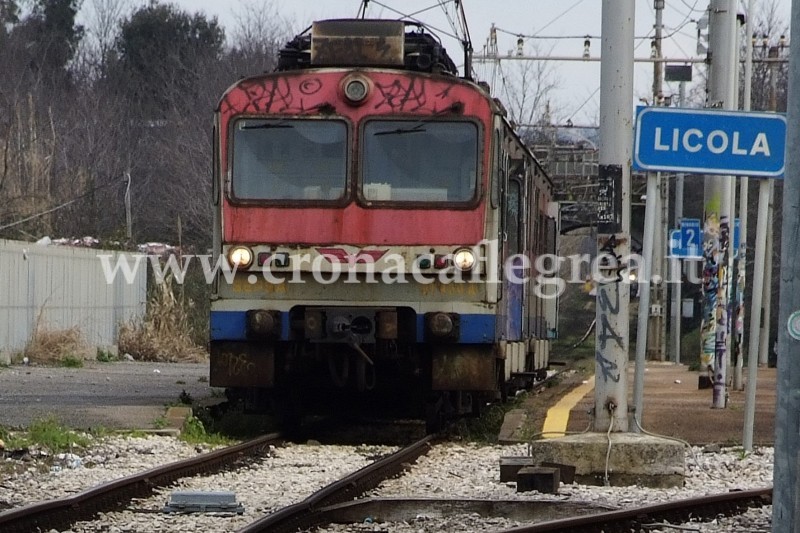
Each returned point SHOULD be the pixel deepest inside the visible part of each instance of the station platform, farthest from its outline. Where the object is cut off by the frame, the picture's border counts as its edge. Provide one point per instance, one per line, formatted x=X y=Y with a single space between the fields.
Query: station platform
x=555 y=424
x=675 y=407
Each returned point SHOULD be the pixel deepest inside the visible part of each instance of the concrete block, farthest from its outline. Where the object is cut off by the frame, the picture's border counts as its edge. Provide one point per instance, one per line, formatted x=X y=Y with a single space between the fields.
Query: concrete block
x=566 y=472
x=509 y=466
x=539 y=478
x=512 y=421
x=5 y=358
x=176 y=416
x=635 y=459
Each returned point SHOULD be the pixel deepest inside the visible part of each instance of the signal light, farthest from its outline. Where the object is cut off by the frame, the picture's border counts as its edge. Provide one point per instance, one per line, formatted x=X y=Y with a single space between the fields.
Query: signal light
x=441 y=261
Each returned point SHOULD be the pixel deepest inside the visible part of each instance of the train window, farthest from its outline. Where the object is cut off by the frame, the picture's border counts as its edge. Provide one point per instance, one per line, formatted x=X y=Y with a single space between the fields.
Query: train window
x=496 y=174
x=413 y=161
x=513 y=216
x=289 y=159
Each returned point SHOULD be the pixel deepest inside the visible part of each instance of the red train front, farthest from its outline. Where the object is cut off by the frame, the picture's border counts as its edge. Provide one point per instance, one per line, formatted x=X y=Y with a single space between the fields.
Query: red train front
x=379 y=213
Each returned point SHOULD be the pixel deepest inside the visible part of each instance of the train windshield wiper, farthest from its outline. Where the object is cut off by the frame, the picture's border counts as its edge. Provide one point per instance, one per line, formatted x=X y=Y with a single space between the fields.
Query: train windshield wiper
x=417 y=127
x=400 y=131
x=266 y=126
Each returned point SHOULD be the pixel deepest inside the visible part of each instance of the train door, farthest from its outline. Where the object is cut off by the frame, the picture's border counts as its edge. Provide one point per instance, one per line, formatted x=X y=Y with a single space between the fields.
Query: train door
x=514 y=275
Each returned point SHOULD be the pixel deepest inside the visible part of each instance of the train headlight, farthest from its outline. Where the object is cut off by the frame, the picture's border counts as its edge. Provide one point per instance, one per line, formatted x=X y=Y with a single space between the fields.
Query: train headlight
x=356 y=89
x=464 y=259
x=240 y=256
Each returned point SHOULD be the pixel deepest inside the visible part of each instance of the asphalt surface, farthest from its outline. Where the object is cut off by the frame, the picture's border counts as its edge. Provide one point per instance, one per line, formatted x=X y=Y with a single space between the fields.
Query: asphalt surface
x=120 y=395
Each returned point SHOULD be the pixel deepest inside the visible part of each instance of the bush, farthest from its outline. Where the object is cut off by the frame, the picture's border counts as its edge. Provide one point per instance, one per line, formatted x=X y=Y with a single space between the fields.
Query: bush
x=164 y=334
x=57 y=347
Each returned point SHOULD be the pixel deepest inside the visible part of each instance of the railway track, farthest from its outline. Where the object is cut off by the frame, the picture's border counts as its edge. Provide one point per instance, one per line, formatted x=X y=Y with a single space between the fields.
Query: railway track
x=648 y=517
x=308 y=513
x=61 y=513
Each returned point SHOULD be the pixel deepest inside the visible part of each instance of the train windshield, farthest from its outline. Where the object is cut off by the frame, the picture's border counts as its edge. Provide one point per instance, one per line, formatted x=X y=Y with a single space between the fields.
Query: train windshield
x=419 y=161
x=289 y=159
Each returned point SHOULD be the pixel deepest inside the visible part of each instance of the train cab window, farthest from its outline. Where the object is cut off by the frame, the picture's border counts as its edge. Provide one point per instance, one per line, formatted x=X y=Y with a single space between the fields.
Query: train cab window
x=413 y=161
x=289 y=159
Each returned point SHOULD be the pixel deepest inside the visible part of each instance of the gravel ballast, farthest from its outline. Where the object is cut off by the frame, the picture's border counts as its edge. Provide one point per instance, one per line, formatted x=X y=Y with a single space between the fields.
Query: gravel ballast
x=288 y=474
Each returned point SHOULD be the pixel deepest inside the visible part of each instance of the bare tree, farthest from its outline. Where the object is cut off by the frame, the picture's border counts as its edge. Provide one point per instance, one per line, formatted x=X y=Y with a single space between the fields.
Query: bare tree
x=526 y=88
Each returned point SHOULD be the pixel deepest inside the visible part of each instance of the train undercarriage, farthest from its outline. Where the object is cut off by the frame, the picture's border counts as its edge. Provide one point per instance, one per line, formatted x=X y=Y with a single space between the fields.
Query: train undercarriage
x=385 y=379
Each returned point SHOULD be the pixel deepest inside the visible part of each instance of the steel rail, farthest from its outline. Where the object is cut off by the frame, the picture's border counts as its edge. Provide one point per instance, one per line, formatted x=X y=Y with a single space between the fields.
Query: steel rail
x=306 y=514
x=63 y=512
x=635 y=519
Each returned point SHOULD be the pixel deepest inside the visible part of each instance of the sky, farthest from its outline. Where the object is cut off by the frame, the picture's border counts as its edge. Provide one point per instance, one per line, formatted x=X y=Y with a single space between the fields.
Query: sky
x=549 y=28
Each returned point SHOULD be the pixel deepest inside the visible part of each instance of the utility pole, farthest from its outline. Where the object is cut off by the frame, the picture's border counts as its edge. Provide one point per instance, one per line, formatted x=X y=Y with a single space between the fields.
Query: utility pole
x=717 y=225
x=614 y=217
x=786 y=496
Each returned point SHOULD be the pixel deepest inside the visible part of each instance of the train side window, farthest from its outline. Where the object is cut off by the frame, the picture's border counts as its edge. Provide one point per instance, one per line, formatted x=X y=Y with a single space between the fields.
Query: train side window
x=513 y=216
x=215 y=166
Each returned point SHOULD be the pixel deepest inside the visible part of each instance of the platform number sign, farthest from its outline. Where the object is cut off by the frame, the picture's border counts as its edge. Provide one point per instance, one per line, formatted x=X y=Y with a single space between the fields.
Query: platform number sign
x=687 y=241
x=691 y=236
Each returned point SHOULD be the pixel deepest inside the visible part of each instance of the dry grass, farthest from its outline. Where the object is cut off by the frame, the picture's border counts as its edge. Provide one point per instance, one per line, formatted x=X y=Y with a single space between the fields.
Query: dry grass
x=164 y=334
x=54 y=347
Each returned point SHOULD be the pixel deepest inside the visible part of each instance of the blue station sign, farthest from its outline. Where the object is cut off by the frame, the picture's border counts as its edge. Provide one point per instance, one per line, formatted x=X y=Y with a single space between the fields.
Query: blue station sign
x=709 y=141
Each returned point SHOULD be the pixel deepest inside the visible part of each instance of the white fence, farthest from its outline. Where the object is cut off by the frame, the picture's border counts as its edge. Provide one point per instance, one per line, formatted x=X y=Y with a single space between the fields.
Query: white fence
x=61 y=287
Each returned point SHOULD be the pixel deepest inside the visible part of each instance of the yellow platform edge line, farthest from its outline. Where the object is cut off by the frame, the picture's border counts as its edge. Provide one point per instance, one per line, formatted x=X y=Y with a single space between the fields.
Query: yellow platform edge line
x=555 y=424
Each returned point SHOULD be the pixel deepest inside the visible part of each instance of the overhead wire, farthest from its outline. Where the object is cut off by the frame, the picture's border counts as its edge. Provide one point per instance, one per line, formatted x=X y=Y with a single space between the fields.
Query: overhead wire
x=424 y=24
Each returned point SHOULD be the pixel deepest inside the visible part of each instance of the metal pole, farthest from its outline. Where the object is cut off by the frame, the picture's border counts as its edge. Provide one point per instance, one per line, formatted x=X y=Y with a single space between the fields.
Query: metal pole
x=758 y=272
x=645 y=272
x=741 y=264
x=128 y=216
x=614 y=216
x=678 y=284
x=787 y=424
x=766 y=304
x=763 y=345
x=717 y=225
x=755 y=314
x=655 y=337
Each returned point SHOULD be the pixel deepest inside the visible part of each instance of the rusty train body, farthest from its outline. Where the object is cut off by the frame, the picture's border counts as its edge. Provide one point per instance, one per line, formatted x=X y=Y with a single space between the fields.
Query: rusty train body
x=381 y=220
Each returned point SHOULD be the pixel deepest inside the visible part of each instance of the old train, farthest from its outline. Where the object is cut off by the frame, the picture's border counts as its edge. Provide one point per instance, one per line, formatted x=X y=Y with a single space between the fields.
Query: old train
x=381 y=223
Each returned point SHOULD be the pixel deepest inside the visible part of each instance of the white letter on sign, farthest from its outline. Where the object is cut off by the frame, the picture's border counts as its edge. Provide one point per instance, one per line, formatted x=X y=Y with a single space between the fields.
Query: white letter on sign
x=722 y=147
x=658 y=145
x=692 y=147
x=760 y=145
x=736 y=150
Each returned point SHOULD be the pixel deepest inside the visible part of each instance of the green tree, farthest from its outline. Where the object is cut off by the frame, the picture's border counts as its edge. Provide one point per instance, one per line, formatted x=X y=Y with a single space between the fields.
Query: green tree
x=51 y=35
x=160 y=49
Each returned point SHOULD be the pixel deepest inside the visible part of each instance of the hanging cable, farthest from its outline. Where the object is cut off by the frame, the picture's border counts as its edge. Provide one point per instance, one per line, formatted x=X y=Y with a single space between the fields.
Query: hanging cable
x=56 y=208
x=611 y=409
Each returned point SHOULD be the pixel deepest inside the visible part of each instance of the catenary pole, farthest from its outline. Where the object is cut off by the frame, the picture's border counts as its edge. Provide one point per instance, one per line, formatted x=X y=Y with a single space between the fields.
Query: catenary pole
x=614 y=218
x=786 y=497
x=717 y=226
